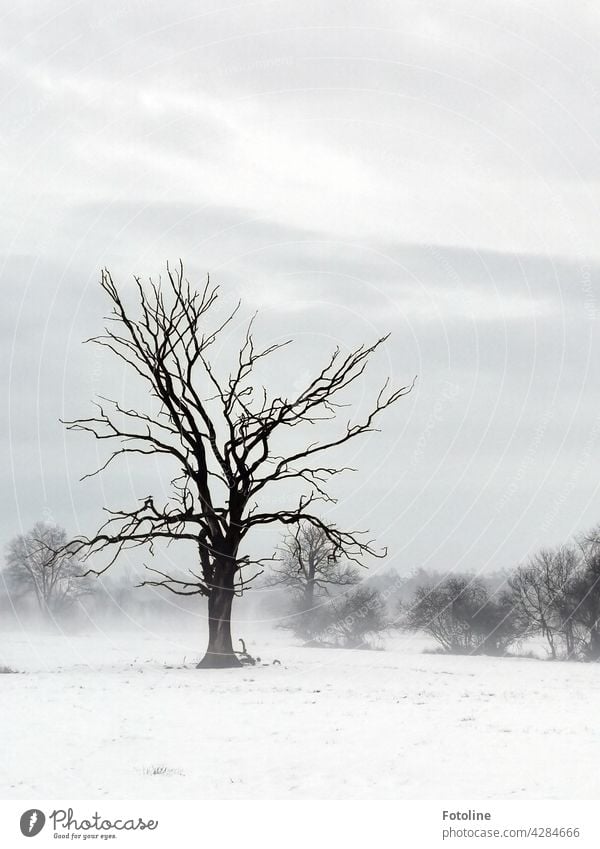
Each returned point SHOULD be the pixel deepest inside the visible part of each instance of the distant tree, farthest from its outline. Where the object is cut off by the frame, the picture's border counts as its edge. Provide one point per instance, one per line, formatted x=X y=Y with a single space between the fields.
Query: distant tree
x=353 y=619
x=42 y=563
x=584 y=598
x=497 y=625
x=323 y=609
x=459 y=613
x=542 y=595
x=309 y=566
x=222 y=433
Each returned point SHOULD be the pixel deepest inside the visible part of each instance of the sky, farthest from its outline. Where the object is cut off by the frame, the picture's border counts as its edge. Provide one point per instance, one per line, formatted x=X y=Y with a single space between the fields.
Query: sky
x=348 y=169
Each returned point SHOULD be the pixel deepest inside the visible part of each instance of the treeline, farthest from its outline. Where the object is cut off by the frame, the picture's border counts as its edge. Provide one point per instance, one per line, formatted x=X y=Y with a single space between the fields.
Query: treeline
x=555 y=597
x=326 y=600
x=43 y=580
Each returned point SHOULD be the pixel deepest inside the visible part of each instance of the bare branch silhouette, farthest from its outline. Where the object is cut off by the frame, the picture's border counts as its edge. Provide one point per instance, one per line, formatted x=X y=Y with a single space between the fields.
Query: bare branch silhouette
x=219 y=432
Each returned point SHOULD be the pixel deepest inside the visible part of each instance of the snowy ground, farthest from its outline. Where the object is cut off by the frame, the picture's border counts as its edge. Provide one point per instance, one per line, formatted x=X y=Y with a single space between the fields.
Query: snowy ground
x=116 y=716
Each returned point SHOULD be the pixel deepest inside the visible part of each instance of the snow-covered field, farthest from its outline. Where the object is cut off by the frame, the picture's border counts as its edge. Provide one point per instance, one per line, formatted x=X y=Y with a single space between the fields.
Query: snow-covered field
x=119 y=716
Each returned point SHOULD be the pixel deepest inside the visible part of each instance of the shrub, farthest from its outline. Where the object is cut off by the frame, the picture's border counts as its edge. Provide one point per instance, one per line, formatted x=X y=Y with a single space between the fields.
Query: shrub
x=462 y=617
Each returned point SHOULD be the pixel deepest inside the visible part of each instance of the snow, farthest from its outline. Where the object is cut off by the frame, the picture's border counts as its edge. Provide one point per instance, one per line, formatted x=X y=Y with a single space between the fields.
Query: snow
x=120 y=716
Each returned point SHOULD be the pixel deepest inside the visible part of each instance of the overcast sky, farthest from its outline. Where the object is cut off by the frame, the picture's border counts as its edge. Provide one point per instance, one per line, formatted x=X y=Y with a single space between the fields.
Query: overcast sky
x=347 y=168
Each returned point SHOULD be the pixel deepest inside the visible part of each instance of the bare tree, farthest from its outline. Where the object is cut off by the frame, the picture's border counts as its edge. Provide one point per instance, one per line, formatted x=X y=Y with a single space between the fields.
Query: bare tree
x=541 y=593
x=309 y=565
x=221 y=432
x=42 y=562
x=584 y=597
x=311 y=570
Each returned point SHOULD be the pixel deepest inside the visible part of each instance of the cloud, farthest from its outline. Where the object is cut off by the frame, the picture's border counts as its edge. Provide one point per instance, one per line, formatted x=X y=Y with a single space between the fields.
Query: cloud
x=349 y=169
x=412 y=123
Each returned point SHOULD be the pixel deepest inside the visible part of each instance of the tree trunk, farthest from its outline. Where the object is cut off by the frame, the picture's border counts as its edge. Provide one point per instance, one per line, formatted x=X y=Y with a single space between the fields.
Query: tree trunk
x=309 y=597
x=570 y=640
x=594 y=643
x=309 y=589
x=547 y=632
x=219 y=653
